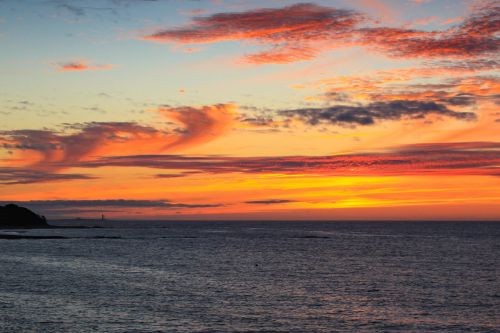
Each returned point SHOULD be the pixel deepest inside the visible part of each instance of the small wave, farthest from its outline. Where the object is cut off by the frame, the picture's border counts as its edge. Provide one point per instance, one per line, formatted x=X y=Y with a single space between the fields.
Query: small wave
x=311 y=237
x=14 y=237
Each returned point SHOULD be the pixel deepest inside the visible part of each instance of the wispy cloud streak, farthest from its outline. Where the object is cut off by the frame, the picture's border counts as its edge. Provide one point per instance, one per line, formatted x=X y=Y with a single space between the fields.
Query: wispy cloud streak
x=469 y=158
x=16 y=176
x=80 y=66
x=71 y=208
x=110 y=203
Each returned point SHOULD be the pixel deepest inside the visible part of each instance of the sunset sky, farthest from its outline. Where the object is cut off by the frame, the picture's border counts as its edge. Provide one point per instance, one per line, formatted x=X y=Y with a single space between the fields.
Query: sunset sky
x=332 y=110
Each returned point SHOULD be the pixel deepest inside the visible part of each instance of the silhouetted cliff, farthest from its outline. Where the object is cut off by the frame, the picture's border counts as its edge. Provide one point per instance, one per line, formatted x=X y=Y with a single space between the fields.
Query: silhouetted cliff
x=13 y=216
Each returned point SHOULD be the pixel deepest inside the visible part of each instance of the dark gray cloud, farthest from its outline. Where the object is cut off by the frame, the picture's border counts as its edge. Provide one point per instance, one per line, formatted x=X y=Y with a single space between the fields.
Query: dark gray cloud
x=460 y=100
x=13 y=176
x=75 y=10
x=82 y=8
x=76 y=207
x=258 y=120
x=101 y=9
x=170 y=175
x=466 y=65
x=269 y=201
x=373 y=112
x=124 y=203
x=92 y=203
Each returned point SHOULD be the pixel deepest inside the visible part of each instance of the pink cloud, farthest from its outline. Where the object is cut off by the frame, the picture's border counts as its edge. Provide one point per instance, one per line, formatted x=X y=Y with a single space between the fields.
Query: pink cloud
x=80 y=65
x=302 y=31
x=288 y=30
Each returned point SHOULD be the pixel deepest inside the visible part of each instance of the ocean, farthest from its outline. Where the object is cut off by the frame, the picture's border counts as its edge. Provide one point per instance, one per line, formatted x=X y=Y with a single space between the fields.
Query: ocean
x=253 y=277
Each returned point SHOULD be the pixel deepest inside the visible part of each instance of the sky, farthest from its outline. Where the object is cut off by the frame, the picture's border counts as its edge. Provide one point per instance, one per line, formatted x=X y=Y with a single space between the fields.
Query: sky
x=237 y=110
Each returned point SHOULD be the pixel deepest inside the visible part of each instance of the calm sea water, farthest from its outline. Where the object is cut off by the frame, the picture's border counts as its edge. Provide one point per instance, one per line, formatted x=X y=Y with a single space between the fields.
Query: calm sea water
x=254 y=277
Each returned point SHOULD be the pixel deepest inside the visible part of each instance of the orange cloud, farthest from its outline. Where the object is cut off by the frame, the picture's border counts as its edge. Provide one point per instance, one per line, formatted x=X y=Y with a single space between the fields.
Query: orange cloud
x=382 y=10
x=301 y=31
x=300 y=21
x=52 y=150
x=452 y=20
x=282 y=55
x=441 y=82
x=198 y=125
x=475 y=36
x=289 y=30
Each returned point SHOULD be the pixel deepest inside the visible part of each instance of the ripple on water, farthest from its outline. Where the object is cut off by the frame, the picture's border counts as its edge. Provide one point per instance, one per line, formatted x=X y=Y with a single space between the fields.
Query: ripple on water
x=285 y=277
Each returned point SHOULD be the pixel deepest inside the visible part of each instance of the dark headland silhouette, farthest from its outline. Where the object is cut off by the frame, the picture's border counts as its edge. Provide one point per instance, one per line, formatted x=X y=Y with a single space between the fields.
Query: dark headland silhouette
x=14 y=216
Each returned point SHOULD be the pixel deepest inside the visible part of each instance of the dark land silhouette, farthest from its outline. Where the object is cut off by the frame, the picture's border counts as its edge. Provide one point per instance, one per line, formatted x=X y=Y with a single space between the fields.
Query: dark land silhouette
x=14 y=216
